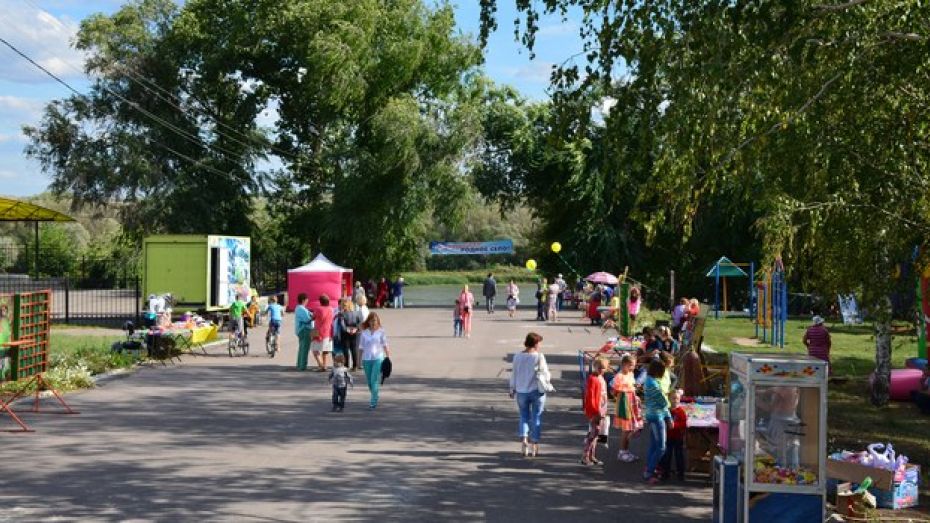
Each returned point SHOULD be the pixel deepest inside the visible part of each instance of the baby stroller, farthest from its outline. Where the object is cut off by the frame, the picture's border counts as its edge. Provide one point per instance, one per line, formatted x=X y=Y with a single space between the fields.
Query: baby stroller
x=131 y=344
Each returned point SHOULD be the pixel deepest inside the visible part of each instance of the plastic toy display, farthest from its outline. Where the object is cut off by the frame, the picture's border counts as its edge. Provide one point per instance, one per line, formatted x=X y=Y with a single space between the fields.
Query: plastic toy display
x=777 y=432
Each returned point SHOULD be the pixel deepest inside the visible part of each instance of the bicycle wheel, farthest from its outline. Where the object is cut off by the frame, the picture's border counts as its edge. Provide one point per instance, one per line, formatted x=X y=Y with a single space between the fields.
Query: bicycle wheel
x=244 y=345
x=271 y=345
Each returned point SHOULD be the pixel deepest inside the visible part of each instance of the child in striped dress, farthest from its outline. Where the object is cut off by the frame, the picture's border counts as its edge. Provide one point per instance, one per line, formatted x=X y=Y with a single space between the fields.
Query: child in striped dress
x=628 y=416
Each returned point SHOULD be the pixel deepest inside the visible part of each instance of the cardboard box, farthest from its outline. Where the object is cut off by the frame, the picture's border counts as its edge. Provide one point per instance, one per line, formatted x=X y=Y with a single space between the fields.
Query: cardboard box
x=855 y=473
x=903 y=493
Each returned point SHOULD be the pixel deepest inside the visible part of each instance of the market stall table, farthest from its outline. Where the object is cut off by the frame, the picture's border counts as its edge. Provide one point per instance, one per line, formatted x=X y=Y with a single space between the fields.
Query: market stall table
x=701 y=436
x=166 y=342
x=193 y=337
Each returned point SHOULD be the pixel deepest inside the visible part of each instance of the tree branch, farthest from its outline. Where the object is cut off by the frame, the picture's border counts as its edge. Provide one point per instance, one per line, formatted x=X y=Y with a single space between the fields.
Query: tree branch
x=839 y=7
x=896 y=35
x=774 y=128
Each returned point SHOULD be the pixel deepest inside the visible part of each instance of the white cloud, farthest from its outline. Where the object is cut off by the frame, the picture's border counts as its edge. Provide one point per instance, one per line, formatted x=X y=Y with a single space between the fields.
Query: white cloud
x=43 y=37
x=12 y=137
x=568 y=27
x=269 y=116
x=17 y=110
x=535 y=72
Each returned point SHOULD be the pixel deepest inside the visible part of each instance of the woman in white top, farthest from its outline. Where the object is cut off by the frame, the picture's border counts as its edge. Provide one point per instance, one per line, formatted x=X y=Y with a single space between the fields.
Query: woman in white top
x=374 y=346
x=524 y=384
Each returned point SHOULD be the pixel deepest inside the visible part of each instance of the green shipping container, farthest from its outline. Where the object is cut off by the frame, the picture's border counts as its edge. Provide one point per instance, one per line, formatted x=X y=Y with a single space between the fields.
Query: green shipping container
x=201 y=272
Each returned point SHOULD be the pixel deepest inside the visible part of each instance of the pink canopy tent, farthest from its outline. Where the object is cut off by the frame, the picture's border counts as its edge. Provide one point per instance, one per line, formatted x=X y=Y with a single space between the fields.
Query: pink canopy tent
x=320 y=276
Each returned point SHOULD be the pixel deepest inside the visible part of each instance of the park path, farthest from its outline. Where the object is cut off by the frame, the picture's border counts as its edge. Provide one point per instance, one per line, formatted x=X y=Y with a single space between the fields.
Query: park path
x=248 y=439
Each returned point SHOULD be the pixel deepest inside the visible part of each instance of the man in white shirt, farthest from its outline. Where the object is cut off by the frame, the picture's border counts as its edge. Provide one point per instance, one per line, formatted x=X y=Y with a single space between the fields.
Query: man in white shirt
x=561 y=294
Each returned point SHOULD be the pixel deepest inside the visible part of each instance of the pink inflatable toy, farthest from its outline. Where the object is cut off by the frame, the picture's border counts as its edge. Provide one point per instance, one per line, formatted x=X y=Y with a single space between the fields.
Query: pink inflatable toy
x=903 y=381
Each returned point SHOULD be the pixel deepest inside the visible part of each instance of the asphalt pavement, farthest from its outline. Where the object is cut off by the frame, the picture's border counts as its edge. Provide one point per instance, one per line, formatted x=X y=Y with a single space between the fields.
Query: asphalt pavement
x=216 y=438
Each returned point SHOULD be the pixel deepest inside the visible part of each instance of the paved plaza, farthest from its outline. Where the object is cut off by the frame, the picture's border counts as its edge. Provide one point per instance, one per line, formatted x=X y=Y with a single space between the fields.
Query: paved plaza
x=249 y=439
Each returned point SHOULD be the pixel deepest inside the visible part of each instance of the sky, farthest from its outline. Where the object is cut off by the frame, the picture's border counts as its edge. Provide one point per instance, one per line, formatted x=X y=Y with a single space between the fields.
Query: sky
x=43 y=29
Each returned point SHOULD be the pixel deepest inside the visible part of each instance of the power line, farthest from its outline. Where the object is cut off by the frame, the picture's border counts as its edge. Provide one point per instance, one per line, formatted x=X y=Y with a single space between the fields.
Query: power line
x=177 y=130
x=139 y=79
x=132 y=104
x=142 y=81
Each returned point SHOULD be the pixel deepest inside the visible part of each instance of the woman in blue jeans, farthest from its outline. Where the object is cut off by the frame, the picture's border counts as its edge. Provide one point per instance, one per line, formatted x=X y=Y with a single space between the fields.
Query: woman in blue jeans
x=656 y=415
x=524 y=384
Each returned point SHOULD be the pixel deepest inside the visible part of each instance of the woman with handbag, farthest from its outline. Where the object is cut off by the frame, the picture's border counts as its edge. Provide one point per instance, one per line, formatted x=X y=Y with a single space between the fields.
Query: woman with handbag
x=467 y=304
x=375 y=352
x=529 y=383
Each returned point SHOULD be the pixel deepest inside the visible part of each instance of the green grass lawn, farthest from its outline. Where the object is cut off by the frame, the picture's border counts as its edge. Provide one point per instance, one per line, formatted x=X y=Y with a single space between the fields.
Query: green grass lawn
x=502 y=273
x=75 y=358
x=853 y=421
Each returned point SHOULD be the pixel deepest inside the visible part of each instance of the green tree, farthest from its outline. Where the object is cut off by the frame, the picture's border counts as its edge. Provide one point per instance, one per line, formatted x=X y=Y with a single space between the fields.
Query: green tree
x=58 y=252
x=176 y=147
x=375 y=116
x=807 y=111
x=376 y=112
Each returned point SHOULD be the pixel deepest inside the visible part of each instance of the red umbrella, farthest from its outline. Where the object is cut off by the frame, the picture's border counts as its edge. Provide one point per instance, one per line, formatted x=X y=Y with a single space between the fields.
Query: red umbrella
x=603 y=277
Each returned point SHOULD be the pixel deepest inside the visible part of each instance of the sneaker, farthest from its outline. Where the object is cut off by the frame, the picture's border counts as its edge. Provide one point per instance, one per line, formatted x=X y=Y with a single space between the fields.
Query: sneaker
x=621 y=456
x=630 y=457
x=652 y=481
x=372 y=407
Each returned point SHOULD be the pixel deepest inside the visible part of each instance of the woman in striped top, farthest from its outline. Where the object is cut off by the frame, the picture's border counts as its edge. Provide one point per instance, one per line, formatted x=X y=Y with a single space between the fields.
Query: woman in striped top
x=817 y=340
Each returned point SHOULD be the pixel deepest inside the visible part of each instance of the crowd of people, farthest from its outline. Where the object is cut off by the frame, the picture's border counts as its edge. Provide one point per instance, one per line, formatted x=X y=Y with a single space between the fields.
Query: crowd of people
x=380 y=294
x=351 y=333
x=640 y=395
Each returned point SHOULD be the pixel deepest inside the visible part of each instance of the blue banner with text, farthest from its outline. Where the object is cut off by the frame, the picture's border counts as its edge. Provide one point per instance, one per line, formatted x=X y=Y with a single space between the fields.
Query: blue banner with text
x=495 y=247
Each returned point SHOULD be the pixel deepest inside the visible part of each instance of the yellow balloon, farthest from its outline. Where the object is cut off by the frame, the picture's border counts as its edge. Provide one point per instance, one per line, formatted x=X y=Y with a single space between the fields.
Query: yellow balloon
x=556 y=247
x=927 y=271
x=531 y=264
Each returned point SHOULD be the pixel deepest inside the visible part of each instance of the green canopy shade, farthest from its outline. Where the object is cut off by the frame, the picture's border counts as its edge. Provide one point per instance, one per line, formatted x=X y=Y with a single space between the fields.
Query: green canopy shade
x=728 y=269
x=19 y=211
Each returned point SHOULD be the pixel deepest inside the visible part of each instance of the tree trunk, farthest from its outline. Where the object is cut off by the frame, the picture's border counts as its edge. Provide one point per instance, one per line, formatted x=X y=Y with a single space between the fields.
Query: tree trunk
x=882 y=378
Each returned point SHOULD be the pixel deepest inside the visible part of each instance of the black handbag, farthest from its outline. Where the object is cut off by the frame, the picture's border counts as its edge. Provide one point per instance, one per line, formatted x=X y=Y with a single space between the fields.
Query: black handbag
x=386 y=368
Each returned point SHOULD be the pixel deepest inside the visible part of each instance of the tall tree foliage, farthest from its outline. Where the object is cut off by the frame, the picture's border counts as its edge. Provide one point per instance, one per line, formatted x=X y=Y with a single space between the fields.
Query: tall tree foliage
x=810 y=112
x=375 y=114
x=375 y=109
x=146 y=135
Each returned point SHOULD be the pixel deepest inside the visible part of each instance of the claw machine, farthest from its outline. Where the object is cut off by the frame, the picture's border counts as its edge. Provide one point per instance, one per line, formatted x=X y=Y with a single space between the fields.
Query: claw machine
x=778 y=435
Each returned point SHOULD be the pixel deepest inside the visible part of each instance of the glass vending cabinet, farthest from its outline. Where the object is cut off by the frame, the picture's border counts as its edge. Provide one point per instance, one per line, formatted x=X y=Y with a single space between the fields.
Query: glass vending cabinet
x=778 y=433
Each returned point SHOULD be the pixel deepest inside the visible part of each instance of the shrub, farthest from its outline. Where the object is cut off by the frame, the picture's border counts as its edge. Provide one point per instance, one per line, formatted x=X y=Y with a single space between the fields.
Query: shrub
x=65 y=377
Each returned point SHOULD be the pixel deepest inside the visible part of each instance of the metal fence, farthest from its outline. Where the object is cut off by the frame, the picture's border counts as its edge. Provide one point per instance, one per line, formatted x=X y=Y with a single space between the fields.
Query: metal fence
x=104 y=290
x=82 y=306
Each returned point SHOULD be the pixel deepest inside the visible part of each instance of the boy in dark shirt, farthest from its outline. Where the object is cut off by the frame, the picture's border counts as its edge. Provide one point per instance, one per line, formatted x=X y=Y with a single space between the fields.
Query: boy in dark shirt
x=341 y=379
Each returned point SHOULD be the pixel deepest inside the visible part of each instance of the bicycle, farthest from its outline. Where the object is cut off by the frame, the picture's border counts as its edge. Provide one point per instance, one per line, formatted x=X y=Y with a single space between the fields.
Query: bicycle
x=238 y=342
x=271 y=339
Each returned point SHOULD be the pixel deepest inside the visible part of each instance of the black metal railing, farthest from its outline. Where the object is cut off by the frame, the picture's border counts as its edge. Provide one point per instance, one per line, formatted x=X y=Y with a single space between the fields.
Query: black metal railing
x=83 y=306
